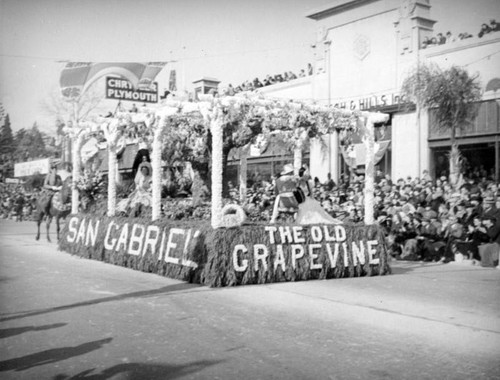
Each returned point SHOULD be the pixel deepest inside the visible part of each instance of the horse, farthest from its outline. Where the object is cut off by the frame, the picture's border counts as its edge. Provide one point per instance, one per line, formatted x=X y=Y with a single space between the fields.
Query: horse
x=59 y=207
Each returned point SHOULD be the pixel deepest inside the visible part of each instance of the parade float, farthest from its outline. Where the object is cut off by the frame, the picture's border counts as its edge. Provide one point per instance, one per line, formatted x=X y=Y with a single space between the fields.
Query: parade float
x=226 y=249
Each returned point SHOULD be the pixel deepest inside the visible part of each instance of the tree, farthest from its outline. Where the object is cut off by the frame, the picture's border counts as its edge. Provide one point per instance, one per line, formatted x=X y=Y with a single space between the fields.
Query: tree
x=74 y=109
x=452 y=95
x=7 y=146
x=30 y=144
x=70 y=110
x=190 y=140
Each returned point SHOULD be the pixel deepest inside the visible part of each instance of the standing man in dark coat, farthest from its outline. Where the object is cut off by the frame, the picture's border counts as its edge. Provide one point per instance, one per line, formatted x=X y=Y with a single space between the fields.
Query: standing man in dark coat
x=491 y=220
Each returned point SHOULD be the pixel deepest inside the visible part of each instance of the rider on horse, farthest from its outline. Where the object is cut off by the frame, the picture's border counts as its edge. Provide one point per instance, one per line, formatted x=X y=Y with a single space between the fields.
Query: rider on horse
x=52 y=184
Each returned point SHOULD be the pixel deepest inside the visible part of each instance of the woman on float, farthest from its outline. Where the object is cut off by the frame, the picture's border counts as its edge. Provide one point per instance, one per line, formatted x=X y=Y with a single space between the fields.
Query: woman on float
x=141 y=196
x=311 y=211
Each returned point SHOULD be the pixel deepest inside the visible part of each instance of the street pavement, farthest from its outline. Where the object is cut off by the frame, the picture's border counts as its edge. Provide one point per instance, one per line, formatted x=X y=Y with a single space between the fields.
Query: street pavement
x=62 y=317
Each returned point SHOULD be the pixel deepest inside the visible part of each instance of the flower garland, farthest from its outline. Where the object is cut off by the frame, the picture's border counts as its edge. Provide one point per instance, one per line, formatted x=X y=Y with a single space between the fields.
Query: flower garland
x=232 y=215
x=189 y=124
x=80 y=133
x=91 y=184
x=216 y=129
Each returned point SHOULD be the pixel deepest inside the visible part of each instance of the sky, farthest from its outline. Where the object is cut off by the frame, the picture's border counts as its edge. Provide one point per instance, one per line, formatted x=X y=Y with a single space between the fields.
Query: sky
x=231 y=40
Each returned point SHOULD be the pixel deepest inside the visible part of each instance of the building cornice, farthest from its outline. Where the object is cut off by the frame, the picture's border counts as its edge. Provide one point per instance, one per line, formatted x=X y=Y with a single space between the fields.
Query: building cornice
x=335 y=8
x=434 y=51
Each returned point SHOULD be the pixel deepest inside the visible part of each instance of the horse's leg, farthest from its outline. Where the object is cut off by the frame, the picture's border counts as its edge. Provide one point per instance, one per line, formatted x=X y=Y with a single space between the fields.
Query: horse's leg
x=49 y=219
x=57 y=227
x=38 y=222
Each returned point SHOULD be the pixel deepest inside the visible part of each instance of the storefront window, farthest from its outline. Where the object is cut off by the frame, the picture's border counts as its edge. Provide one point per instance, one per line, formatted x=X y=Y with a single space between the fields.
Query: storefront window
x=486 y=122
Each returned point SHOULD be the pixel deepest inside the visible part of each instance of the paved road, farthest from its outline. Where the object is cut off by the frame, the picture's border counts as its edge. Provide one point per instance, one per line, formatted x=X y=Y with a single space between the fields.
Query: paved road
x=62 y=317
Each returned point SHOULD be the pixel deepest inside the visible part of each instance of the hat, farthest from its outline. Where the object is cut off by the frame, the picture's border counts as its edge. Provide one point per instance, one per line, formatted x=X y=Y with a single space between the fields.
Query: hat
x=147 y=165
x=287 y=169
x=489 y=200
x=489 y=217
x=428 y=215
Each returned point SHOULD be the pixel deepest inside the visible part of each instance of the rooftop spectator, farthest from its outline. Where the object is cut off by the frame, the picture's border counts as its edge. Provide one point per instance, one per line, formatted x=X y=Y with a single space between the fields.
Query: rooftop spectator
x=426 y=42
x=450 y=37
x=494 y=26
x=485 y=29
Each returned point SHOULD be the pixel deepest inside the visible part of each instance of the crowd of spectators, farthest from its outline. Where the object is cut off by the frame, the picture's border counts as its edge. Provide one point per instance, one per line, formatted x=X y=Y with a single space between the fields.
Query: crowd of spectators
x=267 y=81
x=441 y=39
x=423 y=219
x=16 y=203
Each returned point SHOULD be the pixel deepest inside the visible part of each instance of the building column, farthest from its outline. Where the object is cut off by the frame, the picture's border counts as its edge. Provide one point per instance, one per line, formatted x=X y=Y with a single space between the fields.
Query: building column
x=497 y=159
x=334 y=156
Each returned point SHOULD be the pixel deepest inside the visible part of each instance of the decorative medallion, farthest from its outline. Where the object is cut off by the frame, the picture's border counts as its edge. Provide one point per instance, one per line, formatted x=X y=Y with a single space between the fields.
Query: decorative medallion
x=407 y=7
x=361 y=47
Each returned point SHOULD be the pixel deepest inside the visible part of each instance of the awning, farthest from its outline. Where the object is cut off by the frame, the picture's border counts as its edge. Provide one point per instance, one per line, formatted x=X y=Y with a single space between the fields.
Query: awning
x=356 y=155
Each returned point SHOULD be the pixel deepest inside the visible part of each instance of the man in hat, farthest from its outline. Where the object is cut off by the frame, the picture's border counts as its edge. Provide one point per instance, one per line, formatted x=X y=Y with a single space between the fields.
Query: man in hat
x=491 y=220
x=285 y=185
x=51 y=185
x=429 y=238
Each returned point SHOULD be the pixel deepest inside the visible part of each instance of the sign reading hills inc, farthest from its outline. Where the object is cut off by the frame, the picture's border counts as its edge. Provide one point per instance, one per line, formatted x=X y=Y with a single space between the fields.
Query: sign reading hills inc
x=371 y=102
x=122 y=89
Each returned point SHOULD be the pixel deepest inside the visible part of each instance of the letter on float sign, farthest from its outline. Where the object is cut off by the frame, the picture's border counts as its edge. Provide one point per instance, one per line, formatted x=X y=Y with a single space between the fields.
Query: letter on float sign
x=171 y=245
x=107 y=244
x=316 y=234
x=260 y=256
x=92 y=233
x=151 y=241
x=286 y=234
x=244 y=262
x=72 y=229
x=81 y=233
x=358 y=253
x=333 y=257
x=134 y=238
x=314 y=256
x=297 y=234
x=346 y=254
x=340 y=234
x=185 y=261
x=297 y=253
x=280 y=258
x=271 y=230
x=372 y=251
x=328 y=237
x=123 y=238
x=162 y=245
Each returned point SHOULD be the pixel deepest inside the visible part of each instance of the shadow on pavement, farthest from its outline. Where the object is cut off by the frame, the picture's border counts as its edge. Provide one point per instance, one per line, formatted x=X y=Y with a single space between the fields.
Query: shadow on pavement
x=142 y=371
x=5 y=333
x=139 y=294
x=405 y=267
x=51 y=356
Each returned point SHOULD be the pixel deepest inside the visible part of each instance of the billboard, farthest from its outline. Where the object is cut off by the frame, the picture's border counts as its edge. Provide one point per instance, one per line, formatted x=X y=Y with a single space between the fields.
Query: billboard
x=122 y=89
x=77 y=77
x=28 y=168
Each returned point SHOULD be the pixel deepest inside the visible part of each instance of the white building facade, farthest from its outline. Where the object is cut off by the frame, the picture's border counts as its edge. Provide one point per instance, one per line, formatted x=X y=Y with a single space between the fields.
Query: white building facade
x=364 y=50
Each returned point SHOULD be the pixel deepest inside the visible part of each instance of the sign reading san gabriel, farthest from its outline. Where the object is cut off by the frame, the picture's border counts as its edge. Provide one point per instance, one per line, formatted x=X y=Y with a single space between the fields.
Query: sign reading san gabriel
x=122 y=89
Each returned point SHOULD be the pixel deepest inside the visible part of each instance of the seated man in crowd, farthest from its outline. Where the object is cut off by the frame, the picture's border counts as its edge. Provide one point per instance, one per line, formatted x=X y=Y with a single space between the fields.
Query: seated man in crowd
x=489 y=252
